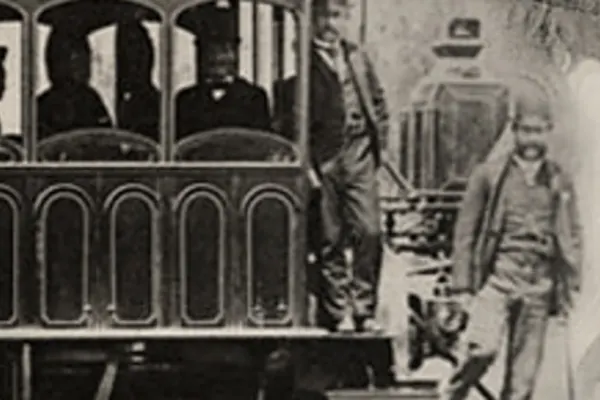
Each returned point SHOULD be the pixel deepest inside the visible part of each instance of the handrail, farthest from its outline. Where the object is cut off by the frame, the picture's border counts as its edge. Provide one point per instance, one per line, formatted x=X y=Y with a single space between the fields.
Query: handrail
x=231 y=136
x=126 y=141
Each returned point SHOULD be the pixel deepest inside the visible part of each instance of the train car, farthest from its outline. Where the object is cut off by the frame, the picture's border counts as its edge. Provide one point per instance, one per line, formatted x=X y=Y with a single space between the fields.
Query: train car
x=136 y=262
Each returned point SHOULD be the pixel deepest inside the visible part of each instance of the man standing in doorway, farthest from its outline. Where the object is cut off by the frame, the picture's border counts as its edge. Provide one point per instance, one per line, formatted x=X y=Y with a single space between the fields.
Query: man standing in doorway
x=516 y=244
x=348 y=128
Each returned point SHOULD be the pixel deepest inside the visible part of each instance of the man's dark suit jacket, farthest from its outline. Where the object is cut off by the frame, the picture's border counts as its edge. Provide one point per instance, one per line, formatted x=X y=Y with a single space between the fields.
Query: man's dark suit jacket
x=479 y=229
x=68 y=107
x=326 y=105
x=244 y=105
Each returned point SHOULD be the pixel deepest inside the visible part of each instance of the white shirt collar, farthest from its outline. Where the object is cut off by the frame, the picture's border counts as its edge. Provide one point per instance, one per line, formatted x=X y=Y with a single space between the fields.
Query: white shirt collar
x=529 y=168
x=322 y=48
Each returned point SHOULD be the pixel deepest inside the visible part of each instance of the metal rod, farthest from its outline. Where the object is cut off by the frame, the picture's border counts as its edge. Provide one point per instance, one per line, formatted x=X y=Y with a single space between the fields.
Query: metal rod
x=363 y=21
x=304 y=18
x=255 y=42
x=26 y=378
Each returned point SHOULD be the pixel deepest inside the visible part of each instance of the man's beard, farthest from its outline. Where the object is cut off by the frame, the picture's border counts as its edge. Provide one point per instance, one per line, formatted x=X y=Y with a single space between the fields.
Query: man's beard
x=532 y=152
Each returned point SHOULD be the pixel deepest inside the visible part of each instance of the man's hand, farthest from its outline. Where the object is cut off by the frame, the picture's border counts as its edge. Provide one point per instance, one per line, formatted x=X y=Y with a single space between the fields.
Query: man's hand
x=465 y=299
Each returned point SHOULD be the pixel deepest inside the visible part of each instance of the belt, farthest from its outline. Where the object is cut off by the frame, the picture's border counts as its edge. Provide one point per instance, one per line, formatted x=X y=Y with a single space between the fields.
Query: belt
x=531 y=238
x=543 y=246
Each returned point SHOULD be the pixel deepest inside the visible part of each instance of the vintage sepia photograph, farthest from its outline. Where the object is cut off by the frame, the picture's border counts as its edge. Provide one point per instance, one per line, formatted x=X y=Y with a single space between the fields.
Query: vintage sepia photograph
x=300 y=199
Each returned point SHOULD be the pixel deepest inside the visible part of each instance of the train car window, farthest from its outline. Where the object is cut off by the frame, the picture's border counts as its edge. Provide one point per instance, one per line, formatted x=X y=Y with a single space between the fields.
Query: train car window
x=11 y=85
x=98 y=87
x=234 y=68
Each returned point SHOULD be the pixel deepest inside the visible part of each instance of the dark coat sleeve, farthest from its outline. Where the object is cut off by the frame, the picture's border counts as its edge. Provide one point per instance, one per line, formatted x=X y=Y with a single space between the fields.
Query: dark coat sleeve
x=570 y=233
x=467 y=230
x=261 y=114
x=182 y=122
x=99 y=111
x=284 y=105
x=380 y=107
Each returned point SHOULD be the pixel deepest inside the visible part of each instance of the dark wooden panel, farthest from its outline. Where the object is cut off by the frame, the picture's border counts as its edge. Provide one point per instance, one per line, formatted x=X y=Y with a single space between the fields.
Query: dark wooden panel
x=130 y=249
x=10 y=235
x=270 y=257
x=133 y=232
x=64 y=245
x=202 y=220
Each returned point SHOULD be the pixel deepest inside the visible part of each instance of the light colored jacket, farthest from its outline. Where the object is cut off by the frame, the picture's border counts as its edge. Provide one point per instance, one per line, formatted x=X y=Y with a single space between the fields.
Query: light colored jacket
x=479 y=228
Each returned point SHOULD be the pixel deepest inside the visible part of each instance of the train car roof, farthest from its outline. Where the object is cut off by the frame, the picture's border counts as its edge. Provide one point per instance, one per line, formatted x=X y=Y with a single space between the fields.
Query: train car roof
x=104 y=10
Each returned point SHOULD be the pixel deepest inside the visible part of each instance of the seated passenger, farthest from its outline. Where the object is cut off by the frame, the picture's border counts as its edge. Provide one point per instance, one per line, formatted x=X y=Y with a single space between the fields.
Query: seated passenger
x=220 y=98
x=70 y=103
x=138 y=99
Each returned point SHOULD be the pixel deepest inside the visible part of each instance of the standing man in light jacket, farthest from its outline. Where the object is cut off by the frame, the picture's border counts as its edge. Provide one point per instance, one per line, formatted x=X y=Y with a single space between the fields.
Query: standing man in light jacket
x=517 y=247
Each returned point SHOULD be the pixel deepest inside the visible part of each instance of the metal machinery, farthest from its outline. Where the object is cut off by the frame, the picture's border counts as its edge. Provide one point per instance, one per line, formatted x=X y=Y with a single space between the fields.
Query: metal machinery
x=457 y=114
x=125 y=256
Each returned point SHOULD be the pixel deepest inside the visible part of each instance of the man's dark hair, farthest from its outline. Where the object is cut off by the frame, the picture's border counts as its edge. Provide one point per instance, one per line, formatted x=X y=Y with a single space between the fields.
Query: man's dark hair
x=61 y=45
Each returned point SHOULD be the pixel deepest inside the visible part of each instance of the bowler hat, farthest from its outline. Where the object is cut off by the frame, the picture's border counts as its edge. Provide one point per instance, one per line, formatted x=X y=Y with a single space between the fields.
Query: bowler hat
x=530 y=97
x=211 y=24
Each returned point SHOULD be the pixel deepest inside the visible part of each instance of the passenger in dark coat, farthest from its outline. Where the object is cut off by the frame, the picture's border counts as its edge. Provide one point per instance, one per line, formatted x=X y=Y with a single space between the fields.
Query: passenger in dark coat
x=220 y=98
x=70 y=103
x=200 y=108
x=138 y=107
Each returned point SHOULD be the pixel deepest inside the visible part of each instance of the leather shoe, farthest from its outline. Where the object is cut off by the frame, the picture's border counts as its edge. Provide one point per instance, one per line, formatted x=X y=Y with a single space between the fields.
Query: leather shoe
x=370 y=325
x=346 y=325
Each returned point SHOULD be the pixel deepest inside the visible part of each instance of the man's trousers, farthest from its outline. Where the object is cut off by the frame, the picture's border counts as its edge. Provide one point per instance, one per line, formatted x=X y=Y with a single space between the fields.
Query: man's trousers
x=495 y=311
x=351 y=219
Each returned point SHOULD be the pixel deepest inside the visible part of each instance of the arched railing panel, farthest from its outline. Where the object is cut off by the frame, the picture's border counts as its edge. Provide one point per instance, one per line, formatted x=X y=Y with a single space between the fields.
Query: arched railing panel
x=10 y=234
x=270 y=252
x=64 y=245
x=134 y=246
x=202 y=230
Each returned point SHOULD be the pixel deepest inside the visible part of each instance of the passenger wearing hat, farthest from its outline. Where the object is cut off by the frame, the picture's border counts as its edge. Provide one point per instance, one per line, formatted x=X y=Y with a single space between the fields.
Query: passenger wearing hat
x=70 y=103
x=139 y=106
x=220 y=98
x=516 y=248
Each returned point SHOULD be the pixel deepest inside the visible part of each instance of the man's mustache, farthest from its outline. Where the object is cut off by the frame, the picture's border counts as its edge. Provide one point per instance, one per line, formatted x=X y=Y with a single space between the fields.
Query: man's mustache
x=331 y=30
x=531 y=150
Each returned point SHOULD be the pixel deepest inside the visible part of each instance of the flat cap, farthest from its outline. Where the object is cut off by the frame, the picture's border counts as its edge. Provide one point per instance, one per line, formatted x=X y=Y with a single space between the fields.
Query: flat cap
x=529 y=96
x=211 y=23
